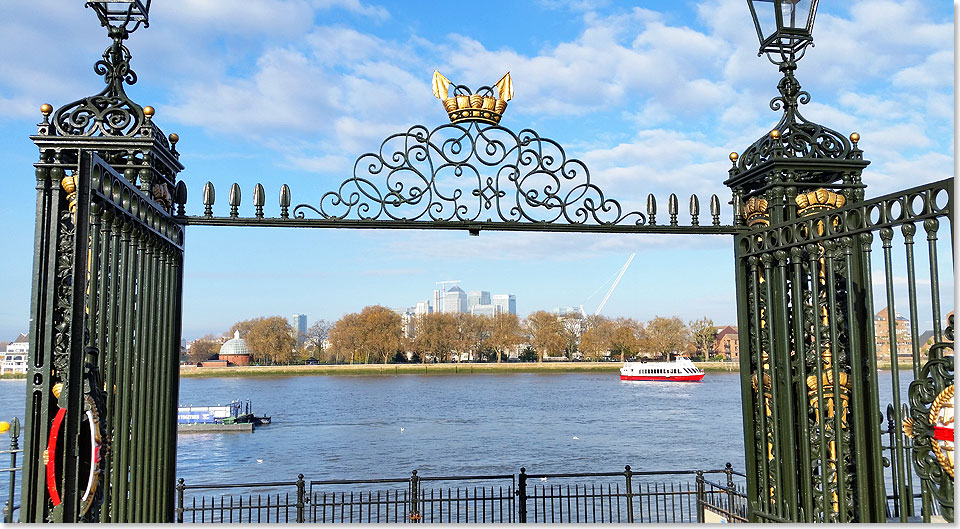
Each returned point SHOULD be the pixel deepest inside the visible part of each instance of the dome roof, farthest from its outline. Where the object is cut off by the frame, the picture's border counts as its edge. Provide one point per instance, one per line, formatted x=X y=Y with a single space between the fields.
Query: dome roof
x=235 y=346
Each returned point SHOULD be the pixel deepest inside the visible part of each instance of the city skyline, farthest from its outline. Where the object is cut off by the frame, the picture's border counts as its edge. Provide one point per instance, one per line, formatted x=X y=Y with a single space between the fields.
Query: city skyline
x=652 y=100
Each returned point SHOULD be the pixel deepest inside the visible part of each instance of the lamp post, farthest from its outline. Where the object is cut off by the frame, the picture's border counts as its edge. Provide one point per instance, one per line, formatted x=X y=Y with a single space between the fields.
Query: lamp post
x=804 y=464
x=797 y=153
x=784 y=27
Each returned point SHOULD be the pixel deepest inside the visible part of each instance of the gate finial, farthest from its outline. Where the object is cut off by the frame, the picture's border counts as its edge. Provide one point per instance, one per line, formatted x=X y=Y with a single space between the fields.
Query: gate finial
x=486 y=104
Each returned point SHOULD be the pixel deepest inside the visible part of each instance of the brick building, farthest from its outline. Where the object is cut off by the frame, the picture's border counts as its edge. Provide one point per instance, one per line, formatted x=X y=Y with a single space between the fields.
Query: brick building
x=881 y=329
x=727 y=343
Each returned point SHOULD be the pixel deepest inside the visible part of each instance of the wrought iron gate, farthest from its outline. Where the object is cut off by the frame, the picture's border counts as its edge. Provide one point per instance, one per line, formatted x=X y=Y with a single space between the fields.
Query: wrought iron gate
x=806 y=308
x=105 y=328
x=106 y=305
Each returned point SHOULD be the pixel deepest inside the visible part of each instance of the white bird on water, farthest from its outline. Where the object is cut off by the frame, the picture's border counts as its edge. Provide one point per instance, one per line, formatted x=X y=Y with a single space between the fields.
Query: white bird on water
x=259 y=461
x=543 y=479
x=401 y=429
x=576 y=438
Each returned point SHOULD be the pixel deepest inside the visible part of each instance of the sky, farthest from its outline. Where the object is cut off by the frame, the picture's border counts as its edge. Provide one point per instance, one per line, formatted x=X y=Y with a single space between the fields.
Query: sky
x=651 y=96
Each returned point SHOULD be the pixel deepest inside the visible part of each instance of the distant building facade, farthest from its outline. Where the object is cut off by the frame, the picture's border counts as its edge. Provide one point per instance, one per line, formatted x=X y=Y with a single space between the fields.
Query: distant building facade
x=485 y=310
x=454 y=301
x=437 y=305
x=881 y=329
x=727 y=343
x=423 y=308
x=298 y=322
x=477 y=297
x=506 y=302
x=408 y=319
x=14 y=358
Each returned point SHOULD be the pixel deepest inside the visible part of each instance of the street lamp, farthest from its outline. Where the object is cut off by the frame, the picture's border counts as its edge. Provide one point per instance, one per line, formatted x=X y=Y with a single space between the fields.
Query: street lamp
x=797 y=155
x=120 y=13
x=784 y=27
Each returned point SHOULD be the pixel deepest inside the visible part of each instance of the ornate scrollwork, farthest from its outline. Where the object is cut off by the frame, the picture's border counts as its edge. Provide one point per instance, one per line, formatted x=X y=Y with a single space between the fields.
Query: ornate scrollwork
x=931 y=422
x=471 y=172
x=63 y=285
x=795 y=136
x=111 y=112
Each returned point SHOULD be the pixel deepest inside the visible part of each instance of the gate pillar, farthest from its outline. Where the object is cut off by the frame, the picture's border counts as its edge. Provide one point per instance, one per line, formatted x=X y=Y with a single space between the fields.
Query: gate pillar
x=808 y=368
x=105 y=308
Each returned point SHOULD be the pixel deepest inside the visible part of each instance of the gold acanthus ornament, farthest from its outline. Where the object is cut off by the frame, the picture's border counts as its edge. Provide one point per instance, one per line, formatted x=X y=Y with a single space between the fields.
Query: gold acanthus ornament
x=486 y=107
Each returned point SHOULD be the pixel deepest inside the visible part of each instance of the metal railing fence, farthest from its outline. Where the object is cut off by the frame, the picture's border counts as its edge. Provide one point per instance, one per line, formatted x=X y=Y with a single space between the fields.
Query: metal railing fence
x=593 y=497
x=9 y=504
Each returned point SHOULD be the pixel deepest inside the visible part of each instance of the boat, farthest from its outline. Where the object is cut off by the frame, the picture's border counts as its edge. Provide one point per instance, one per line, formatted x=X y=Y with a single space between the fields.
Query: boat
x=228 y=418
x=680 y=370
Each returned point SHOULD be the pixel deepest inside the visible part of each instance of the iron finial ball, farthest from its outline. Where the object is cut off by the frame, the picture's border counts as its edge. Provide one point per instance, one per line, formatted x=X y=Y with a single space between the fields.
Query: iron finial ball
x=775 y=134
x=148 y=111
x=46 y=109
x=174 y=138
x=854 y=137
x=733 y=157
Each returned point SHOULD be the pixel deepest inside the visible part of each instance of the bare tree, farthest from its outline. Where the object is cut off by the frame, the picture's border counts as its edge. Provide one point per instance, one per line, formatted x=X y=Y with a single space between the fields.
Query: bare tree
x=665 y=335
x=704 y=334
x=317 y=336
x=203 y=348
x=597 y=339
x=546 y=334
x=345 y=338
x=436 y=333
x=505 y=333
x=381 y=333
x=626 y=336
x=271 y=340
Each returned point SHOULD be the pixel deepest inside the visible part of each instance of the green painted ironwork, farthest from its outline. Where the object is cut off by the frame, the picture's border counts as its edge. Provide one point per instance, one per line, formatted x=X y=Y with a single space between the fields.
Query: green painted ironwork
x=107 y=294
x=106 y=305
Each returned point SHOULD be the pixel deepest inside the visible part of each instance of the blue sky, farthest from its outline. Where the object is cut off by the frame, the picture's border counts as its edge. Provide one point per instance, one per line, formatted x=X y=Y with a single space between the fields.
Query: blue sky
x=651 y=98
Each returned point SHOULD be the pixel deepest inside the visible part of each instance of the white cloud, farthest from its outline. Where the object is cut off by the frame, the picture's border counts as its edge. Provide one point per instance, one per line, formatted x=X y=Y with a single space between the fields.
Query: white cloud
x=355 y=6
x=935 y=71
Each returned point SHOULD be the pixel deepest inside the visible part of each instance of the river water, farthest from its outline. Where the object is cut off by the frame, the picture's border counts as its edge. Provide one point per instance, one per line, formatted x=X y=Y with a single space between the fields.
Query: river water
x=355 y=427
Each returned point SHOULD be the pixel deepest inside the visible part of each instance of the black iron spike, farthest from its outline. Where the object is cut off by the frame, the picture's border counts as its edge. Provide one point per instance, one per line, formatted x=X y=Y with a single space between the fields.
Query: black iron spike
x=258 y=200
x=673 y=208
x=715 y=209
x=652 y=209
x=285 y=201
x=180 y=197
x=234 y=199
x=209 y=196
x=694 y=210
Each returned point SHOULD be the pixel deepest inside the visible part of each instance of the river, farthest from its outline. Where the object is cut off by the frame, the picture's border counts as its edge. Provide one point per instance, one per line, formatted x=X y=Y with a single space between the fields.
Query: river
x=352 y=427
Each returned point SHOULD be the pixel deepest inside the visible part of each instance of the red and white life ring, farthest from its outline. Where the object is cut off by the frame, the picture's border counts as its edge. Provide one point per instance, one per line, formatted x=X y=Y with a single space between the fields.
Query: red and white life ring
x=90 y=442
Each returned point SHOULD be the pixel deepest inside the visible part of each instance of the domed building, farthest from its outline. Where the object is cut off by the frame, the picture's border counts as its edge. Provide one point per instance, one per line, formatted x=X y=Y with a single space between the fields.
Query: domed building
x=235 y=351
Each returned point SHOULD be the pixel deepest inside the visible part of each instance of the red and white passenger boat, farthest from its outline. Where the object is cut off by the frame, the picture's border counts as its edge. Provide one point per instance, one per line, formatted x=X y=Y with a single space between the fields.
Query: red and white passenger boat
x=680 y=370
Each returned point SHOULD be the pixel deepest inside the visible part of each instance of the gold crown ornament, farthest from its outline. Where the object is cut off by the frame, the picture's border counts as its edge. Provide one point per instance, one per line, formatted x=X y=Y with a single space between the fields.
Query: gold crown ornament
x=486 y=106
x=755 y=212
x=819 y=200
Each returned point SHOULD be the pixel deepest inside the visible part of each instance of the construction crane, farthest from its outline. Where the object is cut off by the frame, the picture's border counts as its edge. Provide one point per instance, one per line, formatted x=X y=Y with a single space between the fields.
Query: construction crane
x=615 y=283
x=443 y=290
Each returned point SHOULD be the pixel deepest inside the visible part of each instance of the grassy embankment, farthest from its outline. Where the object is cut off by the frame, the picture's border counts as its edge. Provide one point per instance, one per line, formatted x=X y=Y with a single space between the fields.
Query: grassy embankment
x=431 y=369
x=443 y=369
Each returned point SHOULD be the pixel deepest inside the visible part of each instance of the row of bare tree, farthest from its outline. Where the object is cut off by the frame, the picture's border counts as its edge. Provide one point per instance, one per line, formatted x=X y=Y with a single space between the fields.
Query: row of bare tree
x=377 y=335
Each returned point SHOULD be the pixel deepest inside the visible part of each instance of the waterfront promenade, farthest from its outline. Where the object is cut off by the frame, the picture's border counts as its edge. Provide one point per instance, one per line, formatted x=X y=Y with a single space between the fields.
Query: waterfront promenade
x=429 y=369
x=443 y=369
